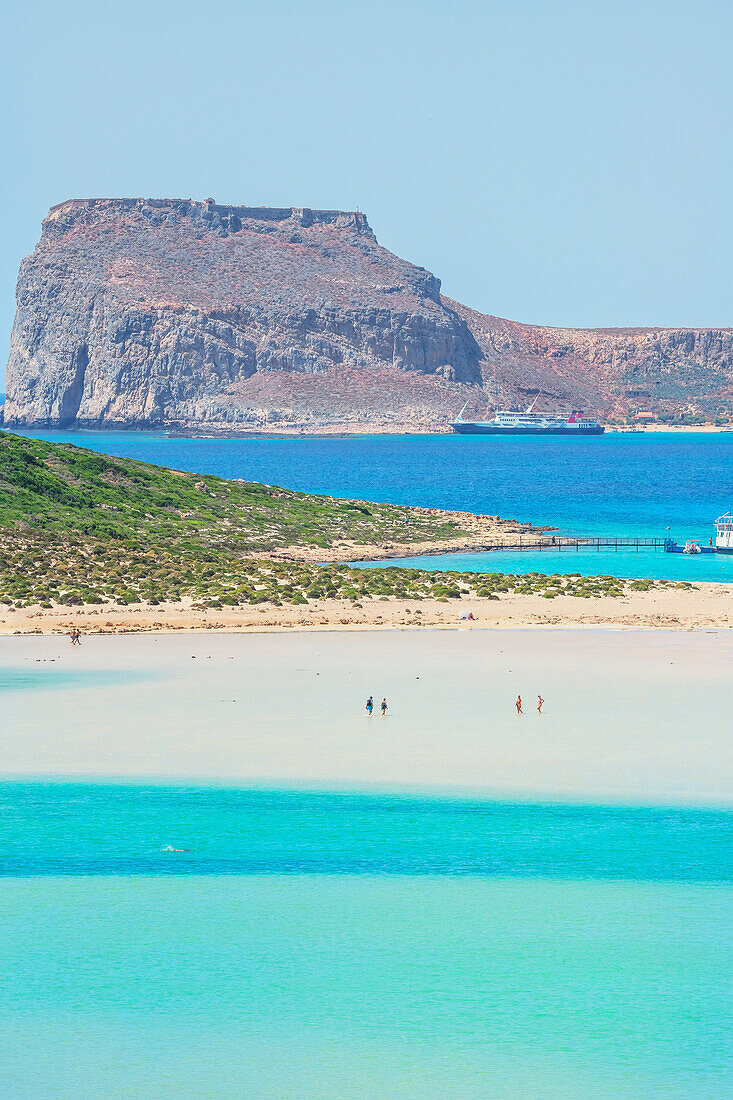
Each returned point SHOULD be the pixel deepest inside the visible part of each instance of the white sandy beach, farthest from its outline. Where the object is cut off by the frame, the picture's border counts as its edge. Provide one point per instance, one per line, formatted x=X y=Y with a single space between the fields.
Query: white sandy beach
x=703 y=606
x=634 y=715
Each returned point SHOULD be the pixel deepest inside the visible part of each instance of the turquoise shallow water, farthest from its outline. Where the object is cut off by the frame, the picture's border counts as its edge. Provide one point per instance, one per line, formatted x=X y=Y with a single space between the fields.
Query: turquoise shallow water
x=32 y=678
x=326 y=987
x=613 y=485
x=561 y=952
x=589 y=563
x=81 y=828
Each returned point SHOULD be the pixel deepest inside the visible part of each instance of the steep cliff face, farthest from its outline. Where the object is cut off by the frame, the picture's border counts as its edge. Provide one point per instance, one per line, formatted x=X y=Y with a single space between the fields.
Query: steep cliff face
x=153 y=311
x=161 y=311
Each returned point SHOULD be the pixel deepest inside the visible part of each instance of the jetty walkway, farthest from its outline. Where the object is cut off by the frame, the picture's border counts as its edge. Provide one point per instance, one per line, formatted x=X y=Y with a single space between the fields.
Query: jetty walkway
x=567 y=542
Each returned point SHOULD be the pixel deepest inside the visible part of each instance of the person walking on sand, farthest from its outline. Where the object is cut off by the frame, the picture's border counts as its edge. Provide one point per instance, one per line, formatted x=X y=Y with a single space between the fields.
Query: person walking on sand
x=384 y=707
x=518 y=704
x=369 y=705
x=540 y=701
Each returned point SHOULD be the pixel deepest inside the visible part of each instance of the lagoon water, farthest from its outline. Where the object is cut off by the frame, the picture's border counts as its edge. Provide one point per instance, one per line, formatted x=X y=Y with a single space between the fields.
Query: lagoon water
x=360 y=946
x=82 y=828
x=664 y=484
x=629 y=563
x=218 y=941
x=288 y=937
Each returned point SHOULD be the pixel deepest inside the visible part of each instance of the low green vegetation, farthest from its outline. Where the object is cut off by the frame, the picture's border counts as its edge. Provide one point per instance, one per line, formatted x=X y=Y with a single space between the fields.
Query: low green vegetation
x=64 y=491
x=81 y=528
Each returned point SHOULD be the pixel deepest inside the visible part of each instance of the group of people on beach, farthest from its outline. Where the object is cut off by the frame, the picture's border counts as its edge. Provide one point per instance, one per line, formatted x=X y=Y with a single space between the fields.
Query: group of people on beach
x=370 y=706
x=518 y=704
x=75 y=635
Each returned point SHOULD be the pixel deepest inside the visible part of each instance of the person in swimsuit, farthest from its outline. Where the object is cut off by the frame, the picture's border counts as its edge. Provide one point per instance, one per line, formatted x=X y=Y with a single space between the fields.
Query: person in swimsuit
x=518 y=704
x=540 y=701
x=384 y=707
x=369 y=705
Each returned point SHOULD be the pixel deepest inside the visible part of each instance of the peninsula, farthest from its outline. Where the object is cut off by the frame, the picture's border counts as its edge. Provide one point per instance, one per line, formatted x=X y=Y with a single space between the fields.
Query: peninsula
x=112 y=544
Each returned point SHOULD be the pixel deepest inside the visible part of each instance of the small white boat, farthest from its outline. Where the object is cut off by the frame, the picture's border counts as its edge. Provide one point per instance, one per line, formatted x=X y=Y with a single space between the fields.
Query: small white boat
x=724 y=533
x=692 y=547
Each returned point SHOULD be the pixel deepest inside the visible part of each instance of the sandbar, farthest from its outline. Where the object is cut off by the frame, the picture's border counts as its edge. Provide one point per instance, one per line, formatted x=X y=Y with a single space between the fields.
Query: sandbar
x=638 y=716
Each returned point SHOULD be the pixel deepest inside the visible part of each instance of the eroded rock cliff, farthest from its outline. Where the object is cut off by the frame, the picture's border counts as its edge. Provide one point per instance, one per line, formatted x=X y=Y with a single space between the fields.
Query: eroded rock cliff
x=135 y=311
x=170 y=311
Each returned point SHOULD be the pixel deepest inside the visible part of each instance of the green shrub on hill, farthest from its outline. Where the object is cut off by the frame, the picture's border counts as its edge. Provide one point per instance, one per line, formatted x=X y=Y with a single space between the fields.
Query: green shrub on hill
x=80 y=528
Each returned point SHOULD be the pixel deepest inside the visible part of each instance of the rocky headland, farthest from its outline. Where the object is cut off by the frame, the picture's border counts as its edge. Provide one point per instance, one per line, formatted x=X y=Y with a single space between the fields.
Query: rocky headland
x=171 y=312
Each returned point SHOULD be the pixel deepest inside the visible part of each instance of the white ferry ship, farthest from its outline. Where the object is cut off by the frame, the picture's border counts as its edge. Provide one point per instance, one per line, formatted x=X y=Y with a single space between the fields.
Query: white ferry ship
x=527 y=423
x=724 y=533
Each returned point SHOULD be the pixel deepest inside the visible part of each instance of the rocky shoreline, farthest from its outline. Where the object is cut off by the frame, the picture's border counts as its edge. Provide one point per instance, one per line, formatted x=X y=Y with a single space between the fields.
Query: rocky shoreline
x=306 y=428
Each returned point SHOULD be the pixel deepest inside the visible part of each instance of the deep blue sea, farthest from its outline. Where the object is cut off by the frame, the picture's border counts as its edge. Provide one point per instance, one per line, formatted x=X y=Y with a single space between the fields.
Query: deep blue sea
x=666 y=484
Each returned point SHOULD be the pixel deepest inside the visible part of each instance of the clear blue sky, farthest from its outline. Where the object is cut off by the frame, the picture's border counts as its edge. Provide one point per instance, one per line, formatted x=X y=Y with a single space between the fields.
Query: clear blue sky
x=559 y=162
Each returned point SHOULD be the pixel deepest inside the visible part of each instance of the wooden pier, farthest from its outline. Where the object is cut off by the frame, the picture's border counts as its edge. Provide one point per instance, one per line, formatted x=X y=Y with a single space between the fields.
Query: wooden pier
x=565 y=542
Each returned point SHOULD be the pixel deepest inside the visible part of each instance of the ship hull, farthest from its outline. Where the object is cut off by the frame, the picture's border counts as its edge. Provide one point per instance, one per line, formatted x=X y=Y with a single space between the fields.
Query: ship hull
x=468 y=427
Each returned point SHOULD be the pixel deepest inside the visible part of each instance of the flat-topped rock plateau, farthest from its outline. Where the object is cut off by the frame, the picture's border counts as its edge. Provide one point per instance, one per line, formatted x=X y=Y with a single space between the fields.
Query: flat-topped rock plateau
x=192 y=315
